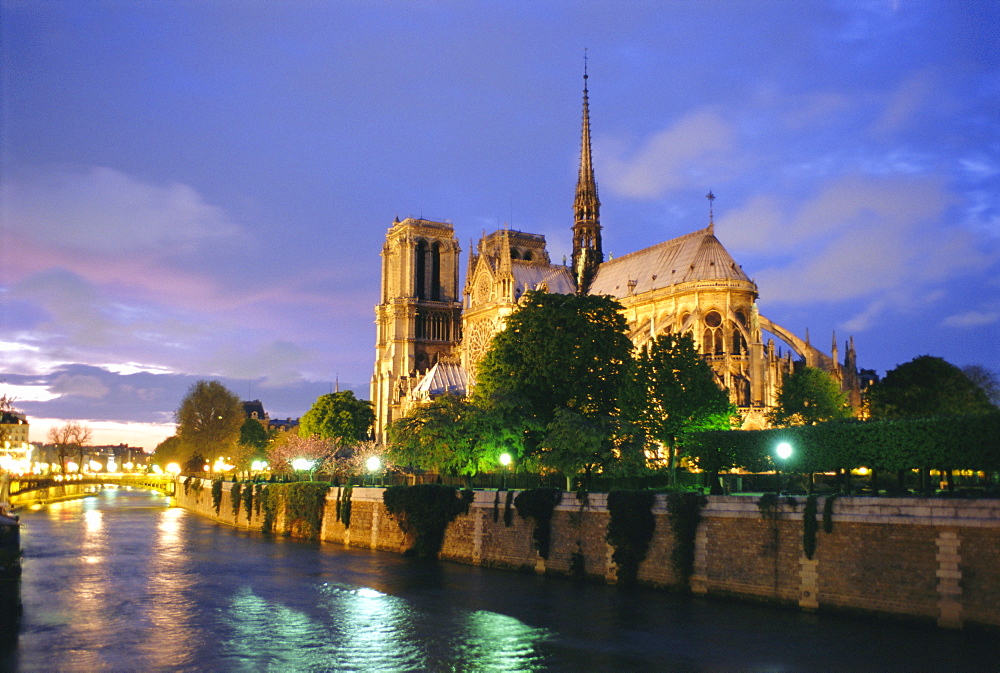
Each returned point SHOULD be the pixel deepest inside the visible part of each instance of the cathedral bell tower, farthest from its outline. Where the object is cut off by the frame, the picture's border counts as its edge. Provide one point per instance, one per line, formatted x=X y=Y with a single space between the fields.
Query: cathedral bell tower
x=418 y=321
x=587 y=253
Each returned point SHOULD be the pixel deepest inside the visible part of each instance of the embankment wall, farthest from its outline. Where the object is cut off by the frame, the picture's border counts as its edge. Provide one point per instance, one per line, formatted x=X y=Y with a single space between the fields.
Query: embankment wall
x=928 y=559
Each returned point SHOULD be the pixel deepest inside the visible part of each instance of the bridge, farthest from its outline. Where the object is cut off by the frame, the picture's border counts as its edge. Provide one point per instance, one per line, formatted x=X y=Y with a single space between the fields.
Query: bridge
x=24 y=490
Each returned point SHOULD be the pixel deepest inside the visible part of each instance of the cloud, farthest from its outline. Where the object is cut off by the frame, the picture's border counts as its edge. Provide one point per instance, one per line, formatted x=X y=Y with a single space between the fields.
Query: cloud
x=858 y=237
x=972 y=319
x=904 y=102
x=102 y=210
x=80 y=386
x=674 y=157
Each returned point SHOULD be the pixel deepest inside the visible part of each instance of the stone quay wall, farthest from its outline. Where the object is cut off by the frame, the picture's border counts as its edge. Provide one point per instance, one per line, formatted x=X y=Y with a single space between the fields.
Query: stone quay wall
x=927 y=559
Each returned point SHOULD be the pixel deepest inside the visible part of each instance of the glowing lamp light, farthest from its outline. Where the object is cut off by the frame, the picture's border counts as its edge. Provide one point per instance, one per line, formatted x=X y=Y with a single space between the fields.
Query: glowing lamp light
x=157 y=469
x=174 y=469
x=95 y=466
x=258 y=465
x=373 y=464
x=784 y=450
x=302 y=464
x=505 y=459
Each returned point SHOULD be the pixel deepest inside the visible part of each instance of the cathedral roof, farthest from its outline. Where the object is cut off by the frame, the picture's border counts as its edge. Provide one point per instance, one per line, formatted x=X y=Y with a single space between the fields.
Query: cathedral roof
x=693 y=257
x=443 y=377
x=528 y=276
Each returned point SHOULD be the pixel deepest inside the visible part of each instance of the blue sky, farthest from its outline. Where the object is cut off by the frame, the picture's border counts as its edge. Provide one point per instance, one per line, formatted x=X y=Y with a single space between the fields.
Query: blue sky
x=201 y=189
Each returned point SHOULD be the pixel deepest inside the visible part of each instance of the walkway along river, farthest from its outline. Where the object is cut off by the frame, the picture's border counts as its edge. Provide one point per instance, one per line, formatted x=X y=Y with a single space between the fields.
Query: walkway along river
x=121 y=581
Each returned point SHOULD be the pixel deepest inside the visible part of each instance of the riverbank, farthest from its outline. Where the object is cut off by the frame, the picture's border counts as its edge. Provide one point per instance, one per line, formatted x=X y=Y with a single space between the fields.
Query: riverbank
x=935 y=560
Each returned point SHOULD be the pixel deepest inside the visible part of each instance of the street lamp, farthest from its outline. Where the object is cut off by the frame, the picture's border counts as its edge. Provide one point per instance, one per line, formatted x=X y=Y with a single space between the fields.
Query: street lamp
x=303 y=465
x=373 y=464
x=784 y=452
x=505 y=461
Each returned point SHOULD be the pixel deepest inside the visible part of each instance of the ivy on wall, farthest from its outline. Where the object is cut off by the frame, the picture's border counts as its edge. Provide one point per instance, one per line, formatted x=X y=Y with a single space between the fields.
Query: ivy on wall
x=809 y=527
x=684 y=508
x=424 y=511
x=235 y=498
x=538 y=504
x=248 y=489
x=828 y=513
x=304 y=501
x=630 y=530
x=217 y=494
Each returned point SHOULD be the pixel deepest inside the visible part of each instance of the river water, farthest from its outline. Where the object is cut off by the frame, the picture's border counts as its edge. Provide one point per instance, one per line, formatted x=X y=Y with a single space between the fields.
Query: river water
x=123 y=582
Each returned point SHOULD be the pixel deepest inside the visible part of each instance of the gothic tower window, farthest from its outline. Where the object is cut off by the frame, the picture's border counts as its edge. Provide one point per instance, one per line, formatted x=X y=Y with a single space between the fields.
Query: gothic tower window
x=420 y=269
x=436 y=272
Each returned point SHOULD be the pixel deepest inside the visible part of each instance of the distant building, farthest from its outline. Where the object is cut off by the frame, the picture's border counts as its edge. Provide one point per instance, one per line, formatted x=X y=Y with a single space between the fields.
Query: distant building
x=430 y=338
x=13 y=429
x=286 y=425
x=255 y=409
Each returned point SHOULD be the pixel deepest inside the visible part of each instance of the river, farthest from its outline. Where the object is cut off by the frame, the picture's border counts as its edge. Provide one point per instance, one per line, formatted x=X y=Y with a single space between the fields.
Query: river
x=123 y=582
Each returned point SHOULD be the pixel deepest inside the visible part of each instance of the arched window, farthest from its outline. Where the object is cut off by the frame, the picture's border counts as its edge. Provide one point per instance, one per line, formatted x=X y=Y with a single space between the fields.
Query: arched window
x=527 y=256
x=420 y=269
x=436 y=272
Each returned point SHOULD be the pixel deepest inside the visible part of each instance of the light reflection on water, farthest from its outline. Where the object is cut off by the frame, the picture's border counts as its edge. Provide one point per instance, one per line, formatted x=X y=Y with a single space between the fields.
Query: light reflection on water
x=122 y=582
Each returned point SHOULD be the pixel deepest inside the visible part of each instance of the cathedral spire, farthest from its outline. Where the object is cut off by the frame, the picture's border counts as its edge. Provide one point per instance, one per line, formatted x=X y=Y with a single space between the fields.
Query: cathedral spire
x=711 y=215
x=587 y=253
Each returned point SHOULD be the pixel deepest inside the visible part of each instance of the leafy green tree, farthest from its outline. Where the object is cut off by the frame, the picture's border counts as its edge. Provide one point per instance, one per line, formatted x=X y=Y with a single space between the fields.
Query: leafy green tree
x=253 y=434
x=209 y=420
x=809 y=396
x=675 y=394
x=443 y=436
x=339 y=416
x=926 y=386
x=574 y=442
x=556 y=351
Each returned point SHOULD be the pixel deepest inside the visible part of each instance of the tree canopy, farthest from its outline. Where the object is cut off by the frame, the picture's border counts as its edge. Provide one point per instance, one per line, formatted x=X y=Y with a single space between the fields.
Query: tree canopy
x=926 y=386
x=450 y=434
x=674 y=393
x=209 y=420
x=557 y=350
x=339 y=416
x=809 y=396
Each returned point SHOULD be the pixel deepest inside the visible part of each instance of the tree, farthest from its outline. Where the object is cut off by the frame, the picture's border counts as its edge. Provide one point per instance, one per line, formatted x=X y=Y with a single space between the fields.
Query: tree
x=170 y=450
x=574 y=442
x=557 y=351
x=339 y=416
x=71 y=437
x=809 y=396
x=986 y=379
x=443 y=436
x=926 y=386
x=209 y=420
x=284 y=451
x=675 y=394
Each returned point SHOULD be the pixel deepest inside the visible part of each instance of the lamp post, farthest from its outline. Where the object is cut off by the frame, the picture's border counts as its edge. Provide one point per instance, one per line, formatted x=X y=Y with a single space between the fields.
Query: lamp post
x=505 y=460
x=303 y=464
x=373 y=464
x=784 y=452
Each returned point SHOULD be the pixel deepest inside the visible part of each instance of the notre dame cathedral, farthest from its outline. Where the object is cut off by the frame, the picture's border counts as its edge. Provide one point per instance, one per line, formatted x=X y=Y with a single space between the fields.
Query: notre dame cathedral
x=430 y=337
